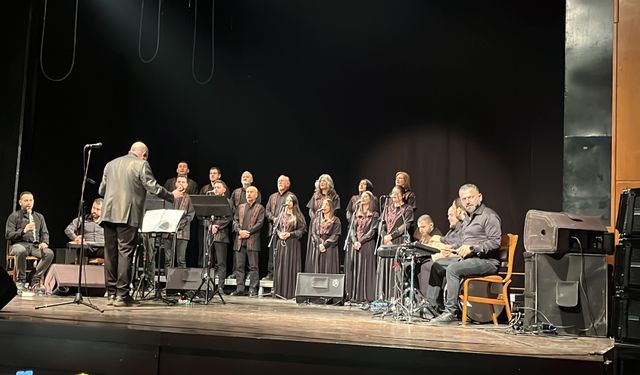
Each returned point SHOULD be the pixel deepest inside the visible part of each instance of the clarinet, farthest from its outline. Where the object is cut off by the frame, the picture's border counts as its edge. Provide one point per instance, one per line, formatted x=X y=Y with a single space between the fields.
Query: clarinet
x=35 y=233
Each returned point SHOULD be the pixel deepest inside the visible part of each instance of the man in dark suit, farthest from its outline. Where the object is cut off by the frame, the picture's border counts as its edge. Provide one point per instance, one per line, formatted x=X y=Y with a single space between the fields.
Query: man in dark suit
x=247 y=223
x=124 y=186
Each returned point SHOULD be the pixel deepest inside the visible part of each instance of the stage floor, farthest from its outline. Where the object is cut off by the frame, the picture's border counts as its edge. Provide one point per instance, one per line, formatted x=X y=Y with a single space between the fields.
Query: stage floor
x=271 y=320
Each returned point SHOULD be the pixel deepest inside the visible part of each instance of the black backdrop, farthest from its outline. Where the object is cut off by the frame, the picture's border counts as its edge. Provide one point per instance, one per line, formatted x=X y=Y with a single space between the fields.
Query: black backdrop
x=451 y=92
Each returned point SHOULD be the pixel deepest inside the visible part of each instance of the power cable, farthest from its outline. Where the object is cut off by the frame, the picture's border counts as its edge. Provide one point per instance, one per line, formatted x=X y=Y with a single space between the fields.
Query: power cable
x=193 y=51
x=155 y=53
x=75 y=40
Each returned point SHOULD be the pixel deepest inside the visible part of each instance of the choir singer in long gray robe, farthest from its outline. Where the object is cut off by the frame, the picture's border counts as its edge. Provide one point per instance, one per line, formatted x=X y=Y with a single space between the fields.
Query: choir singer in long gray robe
x=397 y=219
x=287 y=254
x=361 y=274
x=323 y=256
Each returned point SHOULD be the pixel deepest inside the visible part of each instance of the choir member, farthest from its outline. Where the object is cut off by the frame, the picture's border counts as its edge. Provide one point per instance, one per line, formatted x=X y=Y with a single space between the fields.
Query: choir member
x=291 y=226
x=403 y=179
x=323 y=255
x=363 y=185
x=397 y=218
x=324 y=189
x=361 y=274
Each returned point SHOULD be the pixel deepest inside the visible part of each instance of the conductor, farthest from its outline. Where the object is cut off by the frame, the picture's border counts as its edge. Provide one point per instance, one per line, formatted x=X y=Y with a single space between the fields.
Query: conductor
x=125 y=182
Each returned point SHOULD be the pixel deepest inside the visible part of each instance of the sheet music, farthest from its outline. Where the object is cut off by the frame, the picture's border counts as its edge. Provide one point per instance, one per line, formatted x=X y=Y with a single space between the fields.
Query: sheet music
x=161 y=221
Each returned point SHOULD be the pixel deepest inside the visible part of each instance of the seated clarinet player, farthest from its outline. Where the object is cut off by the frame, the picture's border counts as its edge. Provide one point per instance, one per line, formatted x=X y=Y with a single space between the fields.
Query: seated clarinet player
x=27 y=232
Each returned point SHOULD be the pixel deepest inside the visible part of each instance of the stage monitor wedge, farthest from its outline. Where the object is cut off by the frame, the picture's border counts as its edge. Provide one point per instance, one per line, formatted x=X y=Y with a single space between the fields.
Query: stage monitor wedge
x=320 y=288
x=562 y=232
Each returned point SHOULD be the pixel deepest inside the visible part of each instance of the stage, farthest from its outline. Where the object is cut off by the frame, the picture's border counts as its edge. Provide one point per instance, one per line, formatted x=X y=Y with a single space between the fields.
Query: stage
x=263 y=336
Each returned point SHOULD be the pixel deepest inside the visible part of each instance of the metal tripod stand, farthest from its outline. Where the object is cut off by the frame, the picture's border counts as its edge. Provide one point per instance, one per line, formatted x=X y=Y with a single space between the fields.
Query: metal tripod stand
x=78 y=300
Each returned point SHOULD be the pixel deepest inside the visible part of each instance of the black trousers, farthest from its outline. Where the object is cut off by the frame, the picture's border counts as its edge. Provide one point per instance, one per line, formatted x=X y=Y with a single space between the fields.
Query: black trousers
x=241 y=261
x=221 y=261
x=119 y=243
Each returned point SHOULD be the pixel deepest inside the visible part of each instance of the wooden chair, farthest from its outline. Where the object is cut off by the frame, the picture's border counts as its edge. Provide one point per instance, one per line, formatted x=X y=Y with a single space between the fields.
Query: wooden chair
x=507 y=246
x=32 y=262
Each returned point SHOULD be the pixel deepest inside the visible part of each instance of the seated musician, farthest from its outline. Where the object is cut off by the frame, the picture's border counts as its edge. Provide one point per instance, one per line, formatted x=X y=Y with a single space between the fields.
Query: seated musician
x=426 y=230
x=455 y=216
x=93 y=233
x=28 y=235
x=478 y=252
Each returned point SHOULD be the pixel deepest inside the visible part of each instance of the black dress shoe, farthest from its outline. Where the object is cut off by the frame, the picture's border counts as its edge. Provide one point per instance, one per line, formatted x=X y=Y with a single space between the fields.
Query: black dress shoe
x=269 y=277
x=253 y=292
x=237 y=293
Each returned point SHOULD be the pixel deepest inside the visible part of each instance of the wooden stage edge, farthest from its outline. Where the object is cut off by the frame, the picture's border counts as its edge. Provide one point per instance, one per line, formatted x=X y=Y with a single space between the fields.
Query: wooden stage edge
x=274 y=335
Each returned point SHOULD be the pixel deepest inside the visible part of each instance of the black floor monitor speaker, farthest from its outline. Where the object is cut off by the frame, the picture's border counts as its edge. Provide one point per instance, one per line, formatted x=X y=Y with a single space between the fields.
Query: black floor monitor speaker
x=8 y=288
x=627 y=266
x=626 y=317
x=570 y=292
x=320 y=288
x=628 y=220
x=185 y=278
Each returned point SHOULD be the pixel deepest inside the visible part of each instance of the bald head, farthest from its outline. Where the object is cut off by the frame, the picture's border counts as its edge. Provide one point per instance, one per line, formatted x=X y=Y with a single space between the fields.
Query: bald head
x=140 y=149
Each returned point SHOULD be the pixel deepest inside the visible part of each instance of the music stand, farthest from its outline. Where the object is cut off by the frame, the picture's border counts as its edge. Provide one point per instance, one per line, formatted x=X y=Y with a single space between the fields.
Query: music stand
x=157 y=222
x=207 y=207
x=151 y=202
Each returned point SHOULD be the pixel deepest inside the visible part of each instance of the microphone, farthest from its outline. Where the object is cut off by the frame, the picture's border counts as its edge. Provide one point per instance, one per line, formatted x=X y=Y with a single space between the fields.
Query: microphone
x=93 y=145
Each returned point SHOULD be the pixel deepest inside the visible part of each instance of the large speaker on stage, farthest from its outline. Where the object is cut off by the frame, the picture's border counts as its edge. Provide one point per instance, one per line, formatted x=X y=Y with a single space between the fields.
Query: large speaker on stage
x=8 y=289
x=627 y=266
x=628 y=220
x=320 y=288
x=185 y=278
x=569 y=291
x=563 y=232
x=626 y=316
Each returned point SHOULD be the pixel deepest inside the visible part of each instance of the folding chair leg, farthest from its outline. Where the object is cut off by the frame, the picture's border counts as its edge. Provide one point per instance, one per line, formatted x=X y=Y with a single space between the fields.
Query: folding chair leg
x=493 y=315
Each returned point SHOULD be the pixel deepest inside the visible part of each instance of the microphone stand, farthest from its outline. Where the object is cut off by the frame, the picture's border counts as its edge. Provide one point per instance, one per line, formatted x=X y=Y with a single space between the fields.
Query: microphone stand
x=412 y=264
x=78 y=300
x=274 y=232
x=318 y=220
x=379 y=238
x=381 y=222
x=346 y=247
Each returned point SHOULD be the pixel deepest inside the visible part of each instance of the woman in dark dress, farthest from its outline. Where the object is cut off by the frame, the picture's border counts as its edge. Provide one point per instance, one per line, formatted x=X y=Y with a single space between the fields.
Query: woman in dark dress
x=287 y=250
x=397 y=218
x=324 y=189
x=363 y=185
x=323 y=255
x=361 y=273
x=403 y=179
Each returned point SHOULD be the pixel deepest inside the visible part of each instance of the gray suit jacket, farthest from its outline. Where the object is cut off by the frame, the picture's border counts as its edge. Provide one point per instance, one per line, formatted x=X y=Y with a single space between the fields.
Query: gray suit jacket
x=125 y=182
